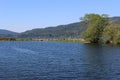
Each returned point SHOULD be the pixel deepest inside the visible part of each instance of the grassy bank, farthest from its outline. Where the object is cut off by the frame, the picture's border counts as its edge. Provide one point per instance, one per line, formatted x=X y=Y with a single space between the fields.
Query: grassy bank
x=15 y=39
x=69 y=40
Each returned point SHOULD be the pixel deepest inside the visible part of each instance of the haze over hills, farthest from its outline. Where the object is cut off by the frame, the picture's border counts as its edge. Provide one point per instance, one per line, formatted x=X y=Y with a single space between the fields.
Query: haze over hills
x=73 y=30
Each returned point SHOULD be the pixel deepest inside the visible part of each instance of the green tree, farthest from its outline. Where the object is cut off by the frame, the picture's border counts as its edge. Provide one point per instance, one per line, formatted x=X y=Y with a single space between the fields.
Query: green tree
x=112 y=33
x=96 y=25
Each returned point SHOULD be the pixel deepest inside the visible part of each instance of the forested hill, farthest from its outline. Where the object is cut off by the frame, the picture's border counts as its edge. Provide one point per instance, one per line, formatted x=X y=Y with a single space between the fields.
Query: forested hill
x=116 y=20
x=61 y=31
x=7 y=33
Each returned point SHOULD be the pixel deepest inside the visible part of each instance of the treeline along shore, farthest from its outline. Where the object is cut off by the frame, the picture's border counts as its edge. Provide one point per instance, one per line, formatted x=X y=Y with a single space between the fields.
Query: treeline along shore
x=46 y=40
x=15 y=39
x=7 y=39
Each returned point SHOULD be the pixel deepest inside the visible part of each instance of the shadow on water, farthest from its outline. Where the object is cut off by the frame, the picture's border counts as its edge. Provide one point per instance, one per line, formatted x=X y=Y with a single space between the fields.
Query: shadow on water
x=97 y=69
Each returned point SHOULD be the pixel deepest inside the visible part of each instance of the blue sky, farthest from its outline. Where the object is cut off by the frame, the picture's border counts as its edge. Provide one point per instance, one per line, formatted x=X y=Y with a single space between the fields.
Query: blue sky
x=22 y=15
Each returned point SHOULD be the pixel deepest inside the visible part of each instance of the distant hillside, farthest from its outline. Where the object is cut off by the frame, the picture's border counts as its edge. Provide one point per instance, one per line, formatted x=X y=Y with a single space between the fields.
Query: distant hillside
x=116 y=20
x=7 y=33
x=61 y=31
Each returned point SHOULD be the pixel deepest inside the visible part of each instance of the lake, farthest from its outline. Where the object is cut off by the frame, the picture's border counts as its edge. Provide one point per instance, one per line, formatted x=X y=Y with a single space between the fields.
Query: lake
x=58 y=61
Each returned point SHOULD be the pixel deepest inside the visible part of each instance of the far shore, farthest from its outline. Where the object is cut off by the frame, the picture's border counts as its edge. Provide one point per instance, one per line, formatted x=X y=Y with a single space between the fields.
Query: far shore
x=81 y=40
x=45 y=39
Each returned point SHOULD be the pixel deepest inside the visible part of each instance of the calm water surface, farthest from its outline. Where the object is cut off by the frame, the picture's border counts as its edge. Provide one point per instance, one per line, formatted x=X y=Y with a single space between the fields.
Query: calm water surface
x=58 y=61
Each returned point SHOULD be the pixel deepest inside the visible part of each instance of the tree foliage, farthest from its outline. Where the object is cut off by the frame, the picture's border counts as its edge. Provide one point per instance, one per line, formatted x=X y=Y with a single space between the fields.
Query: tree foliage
x=96 y=25
x=112 y=33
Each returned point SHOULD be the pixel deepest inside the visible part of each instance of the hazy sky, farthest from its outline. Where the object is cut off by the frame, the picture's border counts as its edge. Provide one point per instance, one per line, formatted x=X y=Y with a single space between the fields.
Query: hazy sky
x=21 y=15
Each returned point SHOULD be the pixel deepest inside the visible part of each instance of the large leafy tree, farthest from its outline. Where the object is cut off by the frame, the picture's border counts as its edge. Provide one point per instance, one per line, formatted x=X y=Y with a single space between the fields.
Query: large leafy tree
x=96 y=25
x=112 y=33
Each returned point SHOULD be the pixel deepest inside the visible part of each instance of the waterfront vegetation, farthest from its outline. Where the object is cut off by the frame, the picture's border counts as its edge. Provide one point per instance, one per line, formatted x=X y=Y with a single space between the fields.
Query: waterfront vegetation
x=15 y=39
x=101 y=29
x=69 y=40
x=7 y=39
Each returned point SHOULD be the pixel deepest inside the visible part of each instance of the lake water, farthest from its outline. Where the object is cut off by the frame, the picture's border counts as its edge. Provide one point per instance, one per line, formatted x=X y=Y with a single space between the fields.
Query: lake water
x=58 y=61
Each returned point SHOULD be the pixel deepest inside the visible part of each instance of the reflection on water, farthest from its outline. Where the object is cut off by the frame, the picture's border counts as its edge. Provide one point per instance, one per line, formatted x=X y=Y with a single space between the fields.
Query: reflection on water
x=96 y=61
x=102 y=62
x=58 y=61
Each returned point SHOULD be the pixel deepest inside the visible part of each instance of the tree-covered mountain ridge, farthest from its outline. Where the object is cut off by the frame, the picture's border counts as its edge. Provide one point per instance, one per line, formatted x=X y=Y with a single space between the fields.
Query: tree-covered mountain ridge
x=3 y=31
x=73 y=30
x=7 y=33
x=61 y=31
